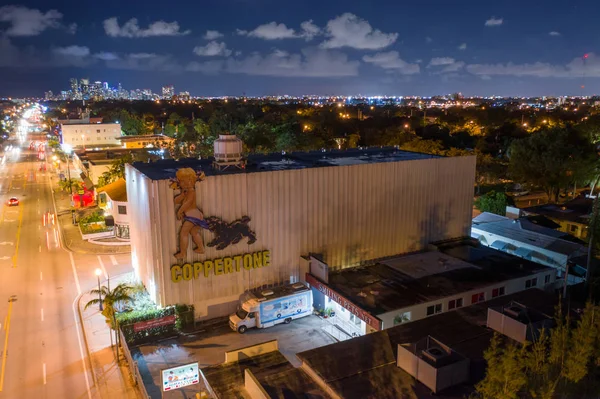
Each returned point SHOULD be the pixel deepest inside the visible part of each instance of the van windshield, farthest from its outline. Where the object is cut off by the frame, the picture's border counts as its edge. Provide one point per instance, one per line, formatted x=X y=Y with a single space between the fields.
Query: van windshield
x=241 y=313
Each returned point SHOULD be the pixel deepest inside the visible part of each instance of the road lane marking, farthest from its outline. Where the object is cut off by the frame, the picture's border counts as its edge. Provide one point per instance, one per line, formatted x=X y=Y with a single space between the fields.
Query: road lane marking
x=102 y=267
x=113 y=260
x=15 y=256
x=40 y=276
x=40 y=248
x=75 y=273
x=77 y=325
x=42 y=314
x=44 y=372
x=5 y=350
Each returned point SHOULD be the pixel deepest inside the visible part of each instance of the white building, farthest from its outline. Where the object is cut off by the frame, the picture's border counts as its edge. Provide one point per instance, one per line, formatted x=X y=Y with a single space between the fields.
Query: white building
x=91 y=134
x=268 y=214
x=113 y=199
x=527 y=240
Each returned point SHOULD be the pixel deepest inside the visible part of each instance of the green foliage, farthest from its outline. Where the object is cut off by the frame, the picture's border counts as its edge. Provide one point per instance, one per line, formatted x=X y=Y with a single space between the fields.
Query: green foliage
x=492 y=202
x=74 y=185
x=183 y=316
x=112 y=300
x=92 y=218
x=553 y=159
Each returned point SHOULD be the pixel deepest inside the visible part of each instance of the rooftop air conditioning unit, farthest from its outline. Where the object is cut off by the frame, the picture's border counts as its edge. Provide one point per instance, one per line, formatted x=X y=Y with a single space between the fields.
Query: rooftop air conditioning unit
x=298 y=286
x=267 y=293
x=435 y=354
x=514 y=311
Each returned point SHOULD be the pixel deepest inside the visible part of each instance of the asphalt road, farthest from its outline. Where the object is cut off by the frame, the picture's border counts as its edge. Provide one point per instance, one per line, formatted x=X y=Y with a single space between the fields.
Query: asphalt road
x=42 y=343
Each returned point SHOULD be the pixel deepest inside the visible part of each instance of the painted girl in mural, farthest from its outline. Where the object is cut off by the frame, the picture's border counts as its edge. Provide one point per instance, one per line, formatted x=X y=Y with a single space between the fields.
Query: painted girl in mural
x=193 y=219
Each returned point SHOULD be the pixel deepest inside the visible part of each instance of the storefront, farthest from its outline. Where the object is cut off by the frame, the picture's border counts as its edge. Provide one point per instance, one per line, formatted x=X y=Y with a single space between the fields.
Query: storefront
x=214 y=221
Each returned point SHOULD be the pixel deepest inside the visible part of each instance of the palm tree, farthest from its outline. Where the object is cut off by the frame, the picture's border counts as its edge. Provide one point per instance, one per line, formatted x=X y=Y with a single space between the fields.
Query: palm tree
x=112 y=301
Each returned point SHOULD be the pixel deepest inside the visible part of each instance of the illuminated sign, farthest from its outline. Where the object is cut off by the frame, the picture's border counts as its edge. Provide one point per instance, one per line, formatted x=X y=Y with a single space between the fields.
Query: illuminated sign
x=346 y=304
x=147 y=324
x=220 y=266
x=179 y=377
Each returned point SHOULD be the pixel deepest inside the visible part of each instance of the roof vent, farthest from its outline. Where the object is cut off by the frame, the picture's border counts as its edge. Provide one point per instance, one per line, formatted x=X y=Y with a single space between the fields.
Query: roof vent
x=228 y=152
x=267 y=293
x=435 y=354
x=298 y=286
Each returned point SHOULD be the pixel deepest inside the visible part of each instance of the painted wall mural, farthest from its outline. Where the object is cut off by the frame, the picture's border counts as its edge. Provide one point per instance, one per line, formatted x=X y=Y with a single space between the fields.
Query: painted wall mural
x=224 y=233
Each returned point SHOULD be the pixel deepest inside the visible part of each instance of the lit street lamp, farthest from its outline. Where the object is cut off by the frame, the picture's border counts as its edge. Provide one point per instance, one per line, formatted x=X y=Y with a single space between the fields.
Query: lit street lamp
x=98 y=273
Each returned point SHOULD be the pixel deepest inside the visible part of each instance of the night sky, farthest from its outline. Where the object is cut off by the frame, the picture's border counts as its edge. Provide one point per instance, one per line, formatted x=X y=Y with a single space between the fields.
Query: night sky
x=265 y=47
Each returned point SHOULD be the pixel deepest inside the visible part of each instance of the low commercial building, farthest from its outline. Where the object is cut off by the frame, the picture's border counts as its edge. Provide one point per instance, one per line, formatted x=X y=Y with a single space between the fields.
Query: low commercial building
x=146 y=141
x=84 y=135
x=530 y=241
x=398 y=290
x=199 y=227
x=93 y=163
x=436 y=357
x=112 y=198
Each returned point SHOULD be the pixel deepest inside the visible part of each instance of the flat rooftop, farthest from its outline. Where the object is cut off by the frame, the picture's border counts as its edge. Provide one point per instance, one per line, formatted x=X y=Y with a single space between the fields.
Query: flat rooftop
x=365 y=367
x=264 y=294
x=166 y=169
x=577 y=210
x=272 y=370
x=401 y=282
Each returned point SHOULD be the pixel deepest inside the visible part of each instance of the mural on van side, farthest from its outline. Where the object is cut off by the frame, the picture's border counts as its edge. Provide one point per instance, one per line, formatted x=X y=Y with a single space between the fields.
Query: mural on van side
x=193 y=220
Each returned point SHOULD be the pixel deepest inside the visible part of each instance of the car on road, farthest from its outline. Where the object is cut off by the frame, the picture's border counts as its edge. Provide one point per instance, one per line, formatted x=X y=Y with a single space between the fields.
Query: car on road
x=13 y=201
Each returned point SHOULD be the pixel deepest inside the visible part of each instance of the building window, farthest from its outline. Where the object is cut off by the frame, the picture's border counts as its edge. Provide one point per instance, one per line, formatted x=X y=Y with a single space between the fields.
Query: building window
x=455 y=303
x=97 y=130
x=122 y=210
x=102 y=198
x=402 y=318
x=573 y=228
x=547 y=279
x=531 y=283
x=434 y=309
x=480 y=297
x=497 y=292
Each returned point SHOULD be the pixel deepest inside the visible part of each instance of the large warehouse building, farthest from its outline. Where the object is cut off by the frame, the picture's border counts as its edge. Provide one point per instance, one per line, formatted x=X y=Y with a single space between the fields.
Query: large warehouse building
x=253 y=222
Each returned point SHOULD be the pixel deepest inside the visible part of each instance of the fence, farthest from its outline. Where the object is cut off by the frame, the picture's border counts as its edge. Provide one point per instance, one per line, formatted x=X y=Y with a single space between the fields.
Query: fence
x=133 y=368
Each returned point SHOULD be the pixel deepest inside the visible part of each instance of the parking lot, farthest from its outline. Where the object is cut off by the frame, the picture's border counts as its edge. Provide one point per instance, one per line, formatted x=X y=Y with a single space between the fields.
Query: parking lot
x=209 y=348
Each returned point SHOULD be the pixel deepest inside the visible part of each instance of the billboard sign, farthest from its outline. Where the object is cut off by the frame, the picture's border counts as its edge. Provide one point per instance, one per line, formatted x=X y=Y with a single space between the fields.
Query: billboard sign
x=179 y=377
x=145 y=325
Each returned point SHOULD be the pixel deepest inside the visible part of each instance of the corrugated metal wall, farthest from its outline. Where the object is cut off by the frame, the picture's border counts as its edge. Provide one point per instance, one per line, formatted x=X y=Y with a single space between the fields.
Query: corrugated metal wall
x=350 y=214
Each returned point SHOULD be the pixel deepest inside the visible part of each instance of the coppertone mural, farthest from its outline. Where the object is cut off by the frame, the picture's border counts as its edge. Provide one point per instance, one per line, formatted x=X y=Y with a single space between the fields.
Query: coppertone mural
x=224 y=233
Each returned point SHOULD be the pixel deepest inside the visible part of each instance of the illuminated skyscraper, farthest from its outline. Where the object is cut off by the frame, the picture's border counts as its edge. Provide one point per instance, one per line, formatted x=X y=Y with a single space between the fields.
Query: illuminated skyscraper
x=168 y=91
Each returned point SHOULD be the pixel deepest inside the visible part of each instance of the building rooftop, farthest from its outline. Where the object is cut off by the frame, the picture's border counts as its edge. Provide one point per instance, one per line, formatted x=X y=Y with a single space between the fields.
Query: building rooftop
x=272 y=370
x=577 y=210
x=263 y=294
x=137 y=137
x=109 y=155
x=524 y=231
x=423 y=277
x=166 y=169
x=366 y=366
x=117 y=191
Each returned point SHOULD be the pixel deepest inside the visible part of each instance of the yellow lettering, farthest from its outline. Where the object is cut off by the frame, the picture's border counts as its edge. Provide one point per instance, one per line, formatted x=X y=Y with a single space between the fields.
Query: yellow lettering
x=266 y=258
x=238 y=262
x=228 y=265
x=208 y=265
x=218 y=266
x=247 y=261
x=257 y=259
x=176 y=274
x=197 y=269
x=187 y=272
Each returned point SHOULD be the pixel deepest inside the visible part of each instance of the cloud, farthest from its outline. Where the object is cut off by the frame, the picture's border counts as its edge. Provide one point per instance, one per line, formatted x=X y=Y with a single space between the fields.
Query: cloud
x=463 y=46
x=212 y=35
x=554 y=33
x=437 y=61
x=314 y=63
x=72 y=51
x=494 y=21
x=272 y=31
x=428 y=39
x=72 y=28
x=145 y=62
x=348 y=30
x=132 y=29
x=106 y=56
x=213 y=49
x=211 y=67
x=454 y=67
x=141 y=56
x=28 y=21
x=391 y=61
x=309 y=30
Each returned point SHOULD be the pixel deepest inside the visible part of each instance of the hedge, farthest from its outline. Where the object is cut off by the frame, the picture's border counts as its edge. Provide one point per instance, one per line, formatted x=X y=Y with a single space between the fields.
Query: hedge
x=184 y=314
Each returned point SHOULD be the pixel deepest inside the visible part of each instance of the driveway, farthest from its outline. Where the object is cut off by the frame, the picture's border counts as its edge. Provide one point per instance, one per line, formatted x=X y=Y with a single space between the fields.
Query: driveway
x=209 y=347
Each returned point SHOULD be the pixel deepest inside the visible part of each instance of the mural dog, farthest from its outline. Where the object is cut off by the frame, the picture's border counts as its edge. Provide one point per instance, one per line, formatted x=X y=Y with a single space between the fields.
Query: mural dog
x=227 y=234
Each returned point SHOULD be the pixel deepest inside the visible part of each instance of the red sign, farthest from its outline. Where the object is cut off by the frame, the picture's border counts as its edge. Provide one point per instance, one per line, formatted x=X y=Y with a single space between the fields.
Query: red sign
x=145 y=325
x=345 y=303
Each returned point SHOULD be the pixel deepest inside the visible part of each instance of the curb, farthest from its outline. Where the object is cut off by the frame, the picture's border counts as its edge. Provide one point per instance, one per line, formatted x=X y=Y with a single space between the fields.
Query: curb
x=85 y=341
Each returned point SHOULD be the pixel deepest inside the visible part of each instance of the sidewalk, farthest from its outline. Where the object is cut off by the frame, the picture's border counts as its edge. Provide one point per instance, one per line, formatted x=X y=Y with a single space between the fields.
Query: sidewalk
x=111 y=380
x=72 y=239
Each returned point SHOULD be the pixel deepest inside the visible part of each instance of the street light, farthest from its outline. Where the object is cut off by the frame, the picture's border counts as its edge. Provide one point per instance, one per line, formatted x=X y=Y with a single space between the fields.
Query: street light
x=98 y=273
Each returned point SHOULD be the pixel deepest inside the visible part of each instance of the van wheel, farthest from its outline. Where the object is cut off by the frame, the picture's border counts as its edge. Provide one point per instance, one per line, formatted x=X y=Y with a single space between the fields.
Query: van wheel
x=288 y=320
x=279 y=315
x=242 y=329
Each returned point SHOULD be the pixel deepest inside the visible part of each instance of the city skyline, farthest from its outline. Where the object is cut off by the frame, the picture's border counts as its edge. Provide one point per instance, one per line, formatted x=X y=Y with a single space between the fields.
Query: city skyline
x=264 y=48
